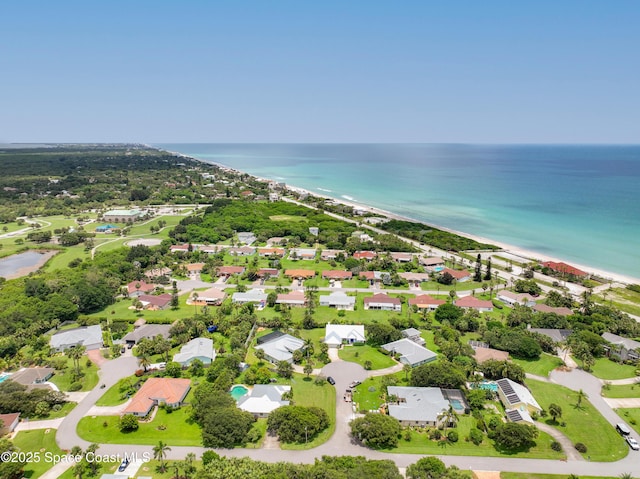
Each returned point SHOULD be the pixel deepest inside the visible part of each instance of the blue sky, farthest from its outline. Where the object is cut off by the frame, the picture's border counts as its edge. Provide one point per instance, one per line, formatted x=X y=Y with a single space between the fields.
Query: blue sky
x=320 y=71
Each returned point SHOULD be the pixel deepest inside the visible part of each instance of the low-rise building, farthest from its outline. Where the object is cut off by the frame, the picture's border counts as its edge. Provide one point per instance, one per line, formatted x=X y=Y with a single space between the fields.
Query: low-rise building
x=147 y=331
x=247 y=238
x=382 y=302
x=263 y=399
x=276 y=252
x=279 y=347
x=424 y=301
x=88 y=336
x=300 y=273
x=9 y=422
x=511 y=298
x=32 y=376
x=337 y=275
x=621 y=347
x=294 y=298
x=518 y=401
x=331 y=254
x=365 y=255
x=241 y=251
x=156 y=392
x=228 y=271
x=122 y=216
x=210 y=297
x=418 y=406
x=433 y=263
x=136 y=289
x=401 y=257
x=198 y=348
x=482 y=355
x=560 y=311
x=410 y=353
x=257 y=296
x=338 y=300
x=155 y=302
x=302 y=253
x=471 y=302
x=459 y=275
x=414 y=335
x=338 y=334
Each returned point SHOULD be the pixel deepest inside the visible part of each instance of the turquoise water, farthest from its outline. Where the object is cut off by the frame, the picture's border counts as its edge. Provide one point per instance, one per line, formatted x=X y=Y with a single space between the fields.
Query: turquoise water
x=238 y=391
x=578 y=203
x=4 y=377
x=489 y=385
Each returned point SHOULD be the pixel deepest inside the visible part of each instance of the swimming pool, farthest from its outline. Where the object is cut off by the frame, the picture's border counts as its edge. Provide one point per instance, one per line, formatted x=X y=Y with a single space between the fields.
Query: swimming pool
x=238 y=391
x=489 y=385
x=4 y=376
x=437 y=269
x=457 y=404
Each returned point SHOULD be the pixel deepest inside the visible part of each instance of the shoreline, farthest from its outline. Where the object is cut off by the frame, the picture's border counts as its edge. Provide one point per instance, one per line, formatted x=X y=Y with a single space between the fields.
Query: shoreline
x=514 y=250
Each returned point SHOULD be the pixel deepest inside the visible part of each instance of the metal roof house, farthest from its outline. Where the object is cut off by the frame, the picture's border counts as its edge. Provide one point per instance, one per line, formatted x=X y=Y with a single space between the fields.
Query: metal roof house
x=88 y=336
x=418 y=406
x=411 y=353
x=281 y=348
x=338 y=334
x=264 y=399
x=198 y=348
x=516 y=397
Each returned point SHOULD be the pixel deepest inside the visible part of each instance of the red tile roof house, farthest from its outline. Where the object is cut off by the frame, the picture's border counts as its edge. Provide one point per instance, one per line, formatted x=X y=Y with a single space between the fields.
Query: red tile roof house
x=155 y=303
x=264 y=272
x=158 y=391
x=8 y=422
x=382 y=302
x=294 y=298
x=565 y=269
x=263 y=252
x=374 y=277
x=138 y=288
x=228 y=271
x=179 y=248
x=431 y=263
x=459 y=276
x=424 y=301
x=560 y=311
x=366 y=255
x=474 y=303
x=337 y=275
x=300 y=273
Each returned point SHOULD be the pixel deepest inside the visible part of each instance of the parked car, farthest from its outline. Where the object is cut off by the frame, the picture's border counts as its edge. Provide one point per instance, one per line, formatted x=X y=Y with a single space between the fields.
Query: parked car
x=633 y=444
x=623 y=429
x=123 y=465
x=354 y=384
x=331 y=380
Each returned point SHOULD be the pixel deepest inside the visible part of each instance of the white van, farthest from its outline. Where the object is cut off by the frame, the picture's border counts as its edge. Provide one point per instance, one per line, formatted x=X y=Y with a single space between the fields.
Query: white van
x=623 y=429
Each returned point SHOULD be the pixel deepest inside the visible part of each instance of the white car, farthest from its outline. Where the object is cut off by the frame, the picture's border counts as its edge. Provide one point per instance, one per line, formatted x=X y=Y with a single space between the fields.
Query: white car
x=633 y=444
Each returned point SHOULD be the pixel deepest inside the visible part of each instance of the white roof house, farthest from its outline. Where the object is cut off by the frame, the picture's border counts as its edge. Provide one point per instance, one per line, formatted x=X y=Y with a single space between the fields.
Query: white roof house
x=418 y=406
x=516 y=397
x=264 y=399
x=246 y=237
x=198 y=348
x=88 y=336
x=338 y=300
x=281 y=348
x=411 y=353
x=336 y=334
x=512 y=298
x=251 y=296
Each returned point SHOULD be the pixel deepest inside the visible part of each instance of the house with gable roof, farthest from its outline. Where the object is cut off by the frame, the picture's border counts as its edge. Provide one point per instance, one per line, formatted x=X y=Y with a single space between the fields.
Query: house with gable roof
x=338 y=334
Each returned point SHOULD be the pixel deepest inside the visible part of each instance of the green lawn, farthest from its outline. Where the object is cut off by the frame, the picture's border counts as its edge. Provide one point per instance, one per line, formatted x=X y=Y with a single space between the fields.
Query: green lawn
x=66 y=409
x=421 y=444
x=104 y=468
x=62 y=259
x=362 y=354
x=63 y=379
x=120 y=310
x=622 y=391
x=370 y=400
x=540 y=367
x=632 y=416
x=604 y=368
x=623 y=299
x=581 y=422
x=114 y=395
x=37 y=440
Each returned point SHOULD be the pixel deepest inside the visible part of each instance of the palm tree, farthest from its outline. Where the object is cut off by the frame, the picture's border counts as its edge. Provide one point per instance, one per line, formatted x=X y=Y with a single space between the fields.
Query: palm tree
x=407 y=369
x=160 y=454
x=581 y=395
x=449 y=417
x=308 y=346
x=144 y=361
x=189 y=468
x=308 y=368
x=75 y=353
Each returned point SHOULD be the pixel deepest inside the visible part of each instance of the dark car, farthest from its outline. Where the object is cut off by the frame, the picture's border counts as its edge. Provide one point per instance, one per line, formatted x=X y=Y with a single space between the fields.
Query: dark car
x=123 y=465
x=331 y=380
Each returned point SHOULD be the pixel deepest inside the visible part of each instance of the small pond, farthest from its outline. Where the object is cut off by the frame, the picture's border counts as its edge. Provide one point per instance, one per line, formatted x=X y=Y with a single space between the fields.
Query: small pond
x=10 y=265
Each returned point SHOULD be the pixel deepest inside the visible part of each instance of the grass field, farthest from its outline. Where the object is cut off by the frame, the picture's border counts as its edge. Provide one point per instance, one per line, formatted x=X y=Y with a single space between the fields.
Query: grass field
x=103 y=468
x=624 y=299
x=632 y=416
x=540 y=367
x=604 y=368
x=294 y=219
x=113 y=396
x=362 y=354
x=581 y=422
x=63 y=379
x=421 y=444
x=41 y=441
x=622 y=391
x=370 y=400
x=120 y=310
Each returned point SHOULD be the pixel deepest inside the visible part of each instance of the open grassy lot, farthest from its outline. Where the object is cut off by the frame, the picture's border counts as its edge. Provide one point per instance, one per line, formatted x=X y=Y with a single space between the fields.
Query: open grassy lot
x=41 y=441
x=581 y=422
x=66 y=409
x=68 y=254
x=622 y=391
x=369 y=395
x=63 y=379
x=624 y=299
x=120 y=310
x=542 y=366
x=152 y=469
x=604 y=368
x=115 y=395
x=295 y=219
x=104 y=468
x=421 y=444
x=364 y=353
x=632 y=416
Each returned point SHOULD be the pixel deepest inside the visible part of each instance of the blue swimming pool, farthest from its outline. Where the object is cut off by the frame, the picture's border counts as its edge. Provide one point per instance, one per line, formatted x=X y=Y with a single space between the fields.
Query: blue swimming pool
x=457 y=404
x=4 y=376
x=489 y=385
x=238 y=391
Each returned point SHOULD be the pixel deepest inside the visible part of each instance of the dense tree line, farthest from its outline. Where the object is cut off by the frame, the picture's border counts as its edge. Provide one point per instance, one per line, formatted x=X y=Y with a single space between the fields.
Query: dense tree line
x=297 y=423
x=15 y=397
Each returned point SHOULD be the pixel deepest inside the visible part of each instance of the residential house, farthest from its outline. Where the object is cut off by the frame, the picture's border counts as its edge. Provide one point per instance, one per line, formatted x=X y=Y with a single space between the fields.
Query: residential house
x=337 y=275
x=459 y=275
x=88 y=336
x=9 y=422
x=337 y=334
x=180 y=248
x=294 y=298
x=414 y=335
x=257 y=296
x=560 y=311
x=565 y=269
x=279 y=347
x=147 y=331
x=482 y=355
x=31 y=376
x=472 y=302
x=241 y=251
x=210 y=297
x=157 y=273
x=402 y=257
x=382 y=302
x=266 y=252
x=314 y=230
x=158 y=391
x=155 y=303
x=122 y=216
x=194 y=270
x=432 y=264
x=365 y=255
x=424 y=301
x=338 y=300
x=375 y=278
x=210 y=248
x=556 y=335
x=302 y=253
x=621 y=347
x=410 y=353
x=300 y=274
x=518 y=401
x=246 y=238
x=135 y=289
x=276 y=240
x=415 y=278
x=331 y=254
x=268 y=272
x=511 y=298
x=263 y=399
x=227 y=271
x=198 y=348
x=417 y=406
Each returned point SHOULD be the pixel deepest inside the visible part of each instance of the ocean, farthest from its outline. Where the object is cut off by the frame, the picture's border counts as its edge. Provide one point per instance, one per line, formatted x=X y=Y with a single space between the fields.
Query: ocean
x=575 y=202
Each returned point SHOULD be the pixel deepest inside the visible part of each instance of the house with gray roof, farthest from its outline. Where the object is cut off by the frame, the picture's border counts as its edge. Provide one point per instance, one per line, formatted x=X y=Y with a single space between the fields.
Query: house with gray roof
x=410 y=353
x=414 y=335
x=556 y=335
x=337 y=334
x=280 y=348
x=198 y=348
x=621 y=347
x=257 y=296
x=263 y=399
x=416 y=406
x=247 y=238
x=148 y=331
x=516 y=397
x=30 y=376
x=338 y=300
x=88 y=336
